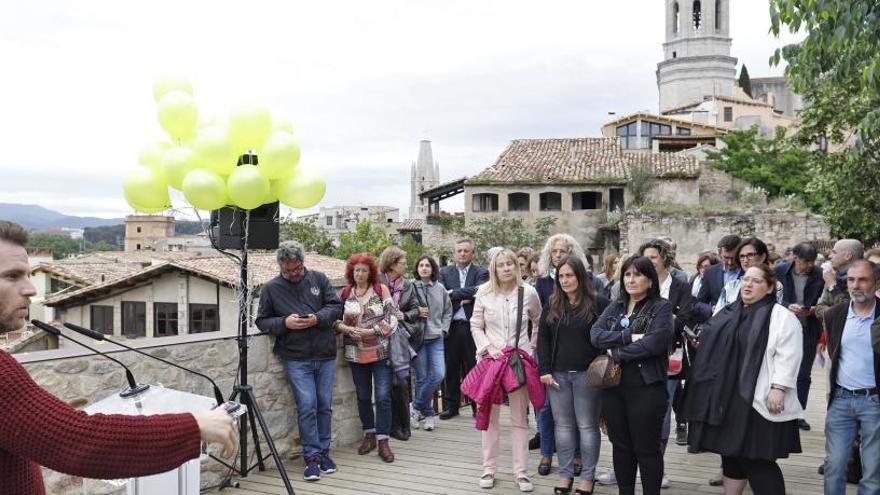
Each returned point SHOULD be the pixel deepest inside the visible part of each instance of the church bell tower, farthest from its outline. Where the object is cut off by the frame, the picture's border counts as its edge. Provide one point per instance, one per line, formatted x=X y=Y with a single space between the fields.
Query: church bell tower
x=697 y=61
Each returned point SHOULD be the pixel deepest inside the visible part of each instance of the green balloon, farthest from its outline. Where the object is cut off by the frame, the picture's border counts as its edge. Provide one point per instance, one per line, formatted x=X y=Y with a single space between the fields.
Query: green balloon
x=249 y=127
x=280 y=155
x=176 y=163
x=145 y=190
x=178 y=115
x=282 y=125
x=151 y=154
x=167 y=83
x=247 y=187
x=213 y=151
x=205 y=190
x=303 y=190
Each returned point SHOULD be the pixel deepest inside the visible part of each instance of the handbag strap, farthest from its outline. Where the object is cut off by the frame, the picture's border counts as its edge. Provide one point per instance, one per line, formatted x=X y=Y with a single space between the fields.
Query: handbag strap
x=519 y=305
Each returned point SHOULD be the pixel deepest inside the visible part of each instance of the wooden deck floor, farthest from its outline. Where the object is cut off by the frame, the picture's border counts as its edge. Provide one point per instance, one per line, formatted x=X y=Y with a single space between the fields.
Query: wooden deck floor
x=448 y=460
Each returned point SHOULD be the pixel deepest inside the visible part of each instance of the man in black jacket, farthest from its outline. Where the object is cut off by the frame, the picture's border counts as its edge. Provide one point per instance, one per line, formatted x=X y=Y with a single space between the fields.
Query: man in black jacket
x=801 y=288
x=716 y=276
x=299 y=307
x=461 y=281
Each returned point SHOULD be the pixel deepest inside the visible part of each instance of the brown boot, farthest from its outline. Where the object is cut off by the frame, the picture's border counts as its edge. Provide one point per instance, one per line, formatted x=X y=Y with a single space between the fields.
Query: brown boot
x=385 y=451
x=367 y=444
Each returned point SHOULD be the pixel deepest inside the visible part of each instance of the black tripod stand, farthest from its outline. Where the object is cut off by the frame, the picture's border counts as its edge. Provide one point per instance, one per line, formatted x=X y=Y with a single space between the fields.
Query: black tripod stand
x=243 y=392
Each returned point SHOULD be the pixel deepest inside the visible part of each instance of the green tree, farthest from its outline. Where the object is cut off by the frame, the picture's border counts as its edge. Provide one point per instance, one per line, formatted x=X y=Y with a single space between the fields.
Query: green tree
x=745 y=82
x=306 y=231
x=778 y=165
x=836 y=69
x=366 y=238
x=641 y=181
x=507 y=232
x=63 y=246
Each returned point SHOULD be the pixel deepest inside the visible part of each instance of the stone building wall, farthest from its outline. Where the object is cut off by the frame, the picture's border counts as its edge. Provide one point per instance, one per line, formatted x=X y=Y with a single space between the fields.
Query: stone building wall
x=719 y=185
x=695 y=233
x=80 y=379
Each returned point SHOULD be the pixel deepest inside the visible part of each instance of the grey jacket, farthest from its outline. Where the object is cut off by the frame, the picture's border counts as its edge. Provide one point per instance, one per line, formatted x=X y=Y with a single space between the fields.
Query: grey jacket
x=435 y=297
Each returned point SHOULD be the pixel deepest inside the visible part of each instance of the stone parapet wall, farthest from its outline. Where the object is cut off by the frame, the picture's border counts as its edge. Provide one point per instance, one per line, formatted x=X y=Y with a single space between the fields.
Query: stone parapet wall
x=698 y=232
x=80 y=380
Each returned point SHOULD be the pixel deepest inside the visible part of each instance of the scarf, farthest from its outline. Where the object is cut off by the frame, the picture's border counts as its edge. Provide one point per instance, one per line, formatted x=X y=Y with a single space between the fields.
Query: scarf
x=395 y=288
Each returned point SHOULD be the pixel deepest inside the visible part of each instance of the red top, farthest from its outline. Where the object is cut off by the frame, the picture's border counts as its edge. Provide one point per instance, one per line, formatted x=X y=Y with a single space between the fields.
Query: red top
x=37 y=428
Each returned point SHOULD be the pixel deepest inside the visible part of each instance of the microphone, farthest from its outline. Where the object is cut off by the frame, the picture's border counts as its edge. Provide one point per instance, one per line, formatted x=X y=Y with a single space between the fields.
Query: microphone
x=100 y=336
x=133 y=387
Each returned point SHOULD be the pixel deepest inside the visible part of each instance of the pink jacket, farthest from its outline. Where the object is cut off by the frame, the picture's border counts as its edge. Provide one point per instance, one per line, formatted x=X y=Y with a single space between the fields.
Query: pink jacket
x=491 y=378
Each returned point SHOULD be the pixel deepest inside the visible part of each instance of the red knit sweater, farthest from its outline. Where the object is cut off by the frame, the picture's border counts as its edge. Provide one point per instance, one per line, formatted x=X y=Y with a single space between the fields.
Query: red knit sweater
x=37 y=428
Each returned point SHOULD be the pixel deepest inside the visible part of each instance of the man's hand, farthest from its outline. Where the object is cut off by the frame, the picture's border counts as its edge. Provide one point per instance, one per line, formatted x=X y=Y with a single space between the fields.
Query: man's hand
x=775 y=401
x=547 y=379
x=296 y=322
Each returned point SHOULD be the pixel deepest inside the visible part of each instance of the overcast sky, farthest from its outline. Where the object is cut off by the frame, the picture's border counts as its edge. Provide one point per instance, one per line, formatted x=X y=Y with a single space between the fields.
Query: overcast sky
x=362 y=82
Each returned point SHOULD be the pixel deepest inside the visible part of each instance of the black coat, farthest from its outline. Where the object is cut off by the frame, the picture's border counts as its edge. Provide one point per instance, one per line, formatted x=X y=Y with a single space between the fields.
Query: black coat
x=650 y=353
x=710 y=290
x=450 y=278
x=812 y=291
x=684 y=314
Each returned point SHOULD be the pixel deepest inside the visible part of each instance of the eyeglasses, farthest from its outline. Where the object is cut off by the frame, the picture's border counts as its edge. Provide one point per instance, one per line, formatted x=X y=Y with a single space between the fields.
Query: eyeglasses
x=753 y=280
x=747 y=256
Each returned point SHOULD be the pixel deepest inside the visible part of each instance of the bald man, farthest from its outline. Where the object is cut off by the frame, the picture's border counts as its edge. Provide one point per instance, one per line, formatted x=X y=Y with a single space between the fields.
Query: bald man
x=843 y=254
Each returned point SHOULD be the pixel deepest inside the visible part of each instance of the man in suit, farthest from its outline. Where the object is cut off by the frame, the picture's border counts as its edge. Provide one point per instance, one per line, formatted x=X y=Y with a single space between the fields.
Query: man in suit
x=801 y=288
x=461 y=281
x=854 y=347
x=716 y=276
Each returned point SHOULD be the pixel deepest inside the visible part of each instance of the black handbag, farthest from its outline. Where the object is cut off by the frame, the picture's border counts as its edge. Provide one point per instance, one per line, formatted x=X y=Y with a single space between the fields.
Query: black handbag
x=515 y=361
x=417 y=331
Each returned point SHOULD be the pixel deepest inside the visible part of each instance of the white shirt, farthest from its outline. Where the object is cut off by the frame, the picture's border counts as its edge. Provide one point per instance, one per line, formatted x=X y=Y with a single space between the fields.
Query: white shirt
x=665 y=286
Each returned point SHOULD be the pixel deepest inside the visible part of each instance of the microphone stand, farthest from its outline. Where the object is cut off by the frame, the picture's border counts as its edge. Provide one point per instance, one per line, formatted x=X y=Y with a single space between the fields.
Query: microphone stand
x=134 y=389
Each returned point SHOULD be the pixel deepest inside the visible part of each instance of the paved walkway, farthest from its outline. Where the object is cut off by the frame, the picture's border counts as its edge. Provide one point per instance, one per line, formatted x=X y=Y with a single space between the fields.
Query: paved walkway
x=447 y=461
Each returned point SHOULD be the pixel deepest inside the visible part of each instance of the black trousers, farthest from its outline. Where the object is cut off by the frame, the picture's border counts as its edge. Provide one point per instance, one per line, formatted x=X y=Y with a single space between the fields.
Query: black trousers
x=634 y=417
x=764 y=476
x=811 y=339
x=460 y=356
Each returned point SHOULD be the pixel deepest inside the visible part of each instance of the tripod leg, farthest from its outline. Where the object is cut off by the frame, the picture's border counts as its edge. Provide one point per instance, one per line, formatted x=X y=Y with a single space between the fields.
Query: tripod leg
x=242 y=442
x=256 y=438
x=271 y=444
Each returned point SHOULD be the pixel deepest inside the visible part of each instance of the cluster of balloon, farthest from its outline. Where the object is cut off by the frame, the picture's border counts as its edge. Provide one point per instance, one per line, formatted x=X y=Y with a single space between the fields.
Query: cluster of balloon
x=201 y=160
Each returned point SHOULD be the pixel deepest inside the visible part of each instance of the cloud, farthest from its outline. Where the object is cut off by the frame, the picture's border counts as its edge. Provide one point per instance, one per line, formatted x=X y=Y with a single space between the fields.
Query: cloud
x=362 y=82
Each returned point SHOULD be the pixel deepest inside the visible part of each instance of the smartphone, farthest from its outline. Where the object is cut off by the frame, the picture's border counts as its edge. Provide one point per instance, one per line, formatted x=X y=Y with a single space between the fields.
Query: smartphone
x=303 y=317
x=555 y=385
x=690 y=333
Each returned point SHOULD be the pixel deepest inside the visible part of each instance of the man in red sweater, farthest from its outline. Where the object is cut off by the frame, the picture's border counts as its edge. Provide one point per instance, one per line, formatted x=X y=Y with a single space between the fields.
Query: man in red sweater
x=37 y=428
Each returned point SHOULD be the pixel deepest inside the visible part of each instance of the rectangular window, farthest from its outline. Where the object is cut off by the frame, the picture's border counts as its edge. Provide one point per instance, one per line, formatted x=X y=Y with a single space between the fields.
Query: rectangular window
x=615 y=199
x=101 y=319
x=165 y=319
x=134 y=319
x=550 y=201
x=586 y=200
x=728 y=114
x=329 y=221
x=203 y=318
x=484 y=202
x=683 y=131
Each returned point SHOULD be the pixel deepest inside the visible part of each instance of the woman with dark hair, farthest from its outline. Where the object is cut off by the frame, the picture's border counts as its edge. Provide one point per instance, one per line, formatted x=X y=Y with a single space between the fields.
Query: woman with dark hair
x=637 y=330
x=564 y=353
x=750 y=252
x=368 y=320
x=704 y=261
x=742 y=393
x=435 y=311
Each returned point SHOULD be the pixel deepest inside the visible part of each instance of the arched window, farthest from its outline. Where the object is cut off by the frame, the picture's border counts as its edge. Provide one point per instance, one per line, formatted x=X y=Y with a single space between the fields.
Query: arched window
x=676 y=21
x=698 y=15
x=484 y=202
x=550 y=201
x=518 y=201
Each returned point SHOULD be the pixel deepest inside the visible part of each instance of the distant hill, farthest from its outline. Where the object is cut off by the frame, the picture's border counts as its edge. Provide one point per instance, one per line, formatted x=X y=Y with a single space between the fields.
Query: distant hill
x=38 y=218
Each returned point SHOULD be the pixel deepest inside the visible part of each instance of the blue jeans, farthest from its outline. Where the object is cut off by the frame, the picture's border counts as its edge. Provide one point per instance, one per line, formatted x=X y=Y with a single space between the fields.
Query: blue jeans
x=365 y=377
x=312 y=385
x=671 y=387
x=575 y=409
x=848 y=414
x=430 y=368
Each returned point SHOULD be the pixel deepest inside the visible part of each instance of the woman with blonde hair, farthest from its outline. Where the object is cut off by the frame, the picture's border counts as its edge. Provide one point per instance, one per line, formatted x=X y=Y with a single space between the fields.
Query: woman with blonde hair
x=493 y=325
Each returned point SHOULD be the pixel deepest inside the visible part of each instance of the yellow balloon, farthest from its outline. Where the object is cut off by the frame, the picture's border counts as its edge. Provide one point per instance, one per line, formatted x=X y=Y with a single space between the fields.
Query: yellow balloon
x=205 y=190
x=213 y=151
x=151 y=154
x=303 y=190
x=280 y=155
x=282 y=125
x=167 y=83
x=249 y=127
x=176 y=163
x=145 y=190
x=247 y=187
x=178 y=114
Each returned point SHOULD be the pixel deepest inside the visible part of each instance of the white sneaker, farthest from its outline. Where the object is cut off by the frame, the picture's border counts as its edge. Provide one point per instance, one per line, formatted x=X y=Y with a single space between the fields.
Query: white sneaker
x=525 y=484
x=608 y=478
x=487 y=481
x=664 y=483
x=429 y=423
x=413 y=418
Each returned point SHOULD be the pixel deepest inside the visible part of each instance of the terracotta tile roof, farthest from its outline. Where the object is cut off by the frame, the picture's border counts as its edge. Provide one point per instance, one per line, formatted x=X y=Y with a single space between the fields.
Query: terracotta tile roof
x=666 y=119
x=261 y=268
x=577 y=160
x=411 y=224
x=88 y=270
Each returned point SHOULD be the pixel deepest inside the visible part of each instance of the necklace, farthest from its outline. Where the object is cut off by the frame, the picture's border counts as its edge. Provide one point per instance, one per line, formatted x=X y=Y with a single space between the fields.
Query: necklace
x=361 y=295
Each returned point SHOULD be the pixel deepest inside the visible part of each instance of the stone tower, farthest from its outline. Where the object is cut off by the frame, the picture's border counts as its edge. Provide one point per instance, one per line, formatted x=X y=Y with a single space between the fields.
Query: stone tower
x=697 y=59
x=425 y=174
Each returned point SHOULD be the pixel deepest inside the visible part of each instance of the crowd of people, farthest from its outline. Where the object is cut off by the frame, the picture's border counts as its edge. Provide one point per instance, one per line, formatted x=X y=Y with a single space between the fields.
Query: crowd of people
x=727 y=352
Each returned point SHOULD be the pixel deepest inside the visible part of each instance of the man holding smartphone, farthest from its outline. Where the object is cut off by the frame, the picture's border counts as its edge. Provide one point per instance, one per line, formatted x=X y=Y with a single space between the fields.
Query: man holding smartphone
x=299 y=307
